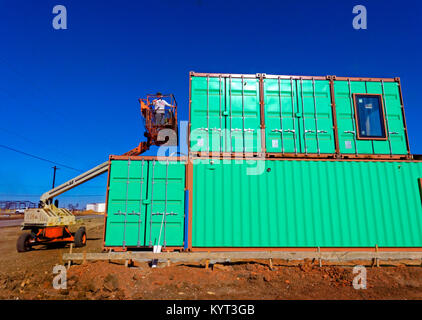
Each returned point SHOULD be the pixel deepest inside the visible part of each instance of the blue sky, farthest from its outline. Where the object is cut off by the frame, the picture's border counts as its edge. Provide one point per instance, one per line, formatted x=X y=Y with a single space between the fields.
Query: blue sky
x=71 y=95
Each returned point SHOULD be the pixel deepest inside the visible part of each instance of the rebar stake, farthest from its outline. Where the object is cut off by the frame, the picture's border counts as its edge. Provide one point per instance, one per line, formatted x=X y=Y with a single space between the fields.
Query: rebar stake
x=69 y=263
x=376 y=259
x=319 y=257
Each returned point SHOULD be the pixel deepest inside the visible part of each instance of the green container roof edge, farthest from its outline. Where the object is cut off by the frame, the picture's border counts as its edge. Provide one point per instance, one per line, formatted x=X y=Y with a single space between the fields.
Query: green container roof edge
x=267 y=75
x=228 y=113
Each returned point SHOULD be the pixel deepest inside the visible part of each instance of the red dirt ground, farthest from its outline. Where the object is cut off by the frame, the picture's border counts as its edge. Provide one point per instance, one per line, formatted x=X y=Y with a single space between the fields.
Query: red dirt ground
x=29 y=276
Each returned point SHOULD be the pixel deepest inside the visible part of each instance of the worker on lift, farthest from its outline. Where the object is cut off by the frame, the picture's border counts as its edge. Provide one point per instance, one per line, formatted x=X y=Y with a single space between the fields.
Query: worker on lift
x=159 y=105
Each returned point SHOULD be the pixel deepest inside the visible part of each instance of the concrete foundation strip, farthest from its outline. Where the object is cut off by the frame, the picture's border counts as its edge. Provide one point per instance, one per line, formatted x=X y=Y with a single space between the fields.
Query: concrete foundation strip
x=329 y=258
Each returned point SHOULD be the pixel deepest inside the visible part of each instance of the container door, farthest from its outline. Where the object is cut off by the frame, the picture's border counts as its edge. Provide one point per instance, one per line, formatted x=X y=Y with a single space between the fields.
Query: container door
x=394 y=123
x=314 y=117
x=346 y=124
x=207 y=114
x=166 y=204
x=126 y=208
x=281 y=127
x=242 y=114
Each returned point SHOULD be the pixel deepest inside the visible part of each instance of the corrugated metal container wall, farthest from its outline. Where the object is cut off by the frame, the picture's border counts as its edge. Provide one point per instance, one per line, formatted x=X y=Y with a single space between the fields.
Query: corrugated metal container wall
x=299 y=203
x=140 y=191
x=298 y=116
x=349 y=142
x=225 y=114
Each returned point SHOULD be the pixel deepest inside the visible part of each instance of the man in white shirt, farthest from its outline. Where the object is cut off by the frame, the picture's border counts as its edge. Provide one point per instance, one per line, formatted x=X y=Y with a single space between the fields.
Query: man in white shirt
x=159 y=108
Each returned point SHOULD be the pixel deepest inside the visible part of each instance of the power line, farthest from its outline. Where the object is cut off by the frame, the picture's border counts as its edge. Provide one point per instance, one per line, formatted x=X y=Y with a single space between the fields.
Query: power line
x=39 y=158
x=21 y=136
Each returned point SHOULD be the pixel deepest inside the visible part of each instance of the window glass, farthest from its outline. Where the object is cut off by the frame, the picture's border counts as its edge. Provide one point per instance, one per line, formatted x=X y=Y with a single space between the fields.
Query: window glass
x=370 y=116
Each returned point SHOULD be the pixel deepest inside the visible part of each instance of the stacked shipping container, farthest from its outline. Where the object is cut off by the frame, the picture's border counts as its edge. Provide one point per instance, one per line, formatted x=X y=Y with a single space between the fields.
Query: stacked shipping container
x=293 y=116
x=276 y=162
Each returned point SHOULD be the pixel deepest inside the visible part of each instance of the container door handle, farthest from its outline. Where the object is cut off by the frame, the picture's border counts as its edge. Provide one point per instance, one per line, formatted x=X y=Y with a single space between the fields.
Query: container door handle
x=167 y=213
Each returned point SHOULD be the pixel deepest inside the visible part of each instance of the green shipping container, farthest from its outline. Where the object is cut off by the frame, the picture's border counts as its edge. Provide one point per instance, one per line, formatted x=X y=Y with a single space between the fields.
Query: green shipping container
x=300 y=203
x=140 y=192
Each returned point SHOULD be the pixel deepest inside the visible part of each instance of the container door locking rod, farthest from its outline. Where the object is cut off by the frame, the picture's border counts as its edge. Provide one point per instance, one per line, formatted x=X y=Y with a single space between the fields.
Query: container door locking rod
x=165 y=204
x=315 y=115
x=164 y=219
x=230 y=106
x=127 y=194
x=152 y=201
x=293 y=115
x=303 y=117
x=281 y=116
x=353 y=117
x=225 y=115
x=221 y=125
x=243 y=116
x=140 y=204
x=387 y=133
x=208 y=114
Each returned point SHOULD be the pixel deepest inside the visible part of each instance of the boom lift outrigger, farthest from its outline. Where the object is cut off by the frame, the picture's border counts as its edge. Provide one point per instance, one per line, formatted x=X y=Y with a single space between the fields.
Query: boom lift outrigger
x=50 y=224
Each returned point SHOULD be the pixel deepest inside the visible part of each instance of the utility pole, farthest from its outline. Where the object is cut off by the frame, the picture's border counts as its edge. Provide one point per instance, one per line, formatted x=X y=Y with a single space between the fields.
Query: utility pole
x=54 y=179
x=54 y=176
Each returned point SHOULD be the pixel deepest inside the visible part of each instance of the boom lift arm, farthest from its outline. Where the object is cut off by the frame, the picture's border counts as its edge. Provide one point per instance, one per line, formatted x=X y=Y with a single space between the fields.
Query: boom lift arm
x=151 y=133
x=88 y=175
x=72 y=183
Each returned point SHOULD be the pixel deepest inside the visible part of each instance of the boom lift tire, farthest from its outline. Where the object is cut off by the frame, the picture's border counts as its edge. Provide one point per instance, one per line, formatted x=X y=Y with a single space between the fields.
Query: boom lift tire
x=80 y=237
x=24 y=242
